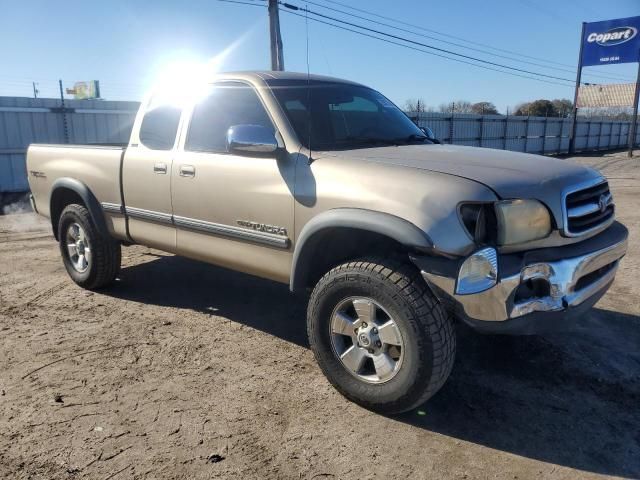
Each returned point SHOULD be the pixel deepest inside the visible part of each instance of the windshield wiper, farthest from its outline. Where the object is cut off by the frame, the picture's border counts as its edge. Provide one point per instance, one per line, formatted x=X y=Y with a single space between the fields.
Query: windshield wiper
x=371 y=140
x=411 y=138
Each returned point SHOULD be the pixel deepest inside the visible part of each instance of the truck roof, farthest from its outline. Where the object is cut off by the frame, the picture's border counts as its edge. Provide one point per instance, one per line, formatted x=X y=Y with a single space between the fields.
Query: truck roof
x=266 y=75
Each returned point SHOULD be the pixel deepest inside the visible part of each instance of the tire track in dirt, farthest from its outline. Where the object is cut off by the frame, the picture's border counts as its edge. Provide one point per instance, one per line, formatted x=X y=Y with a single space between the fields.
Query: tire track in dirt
x=39 y=298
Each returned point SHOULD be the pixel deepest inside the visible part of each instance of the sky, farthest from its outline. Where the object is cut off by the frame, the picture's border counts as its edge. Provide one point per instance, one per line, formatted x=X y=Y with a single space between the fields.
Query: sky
x=129 y=45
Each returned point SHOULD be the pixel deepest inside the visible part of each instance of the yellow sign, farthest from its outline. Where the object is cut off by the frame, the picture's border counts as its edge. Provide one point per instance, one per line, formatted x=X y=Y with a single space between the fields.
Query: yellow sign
x=85 y=90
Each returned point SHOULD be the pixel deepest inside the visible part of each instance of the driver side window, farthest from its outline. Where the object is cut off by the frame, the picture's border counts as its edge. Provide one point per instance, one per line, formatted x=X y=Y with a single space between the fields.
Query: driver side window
x=228 y=104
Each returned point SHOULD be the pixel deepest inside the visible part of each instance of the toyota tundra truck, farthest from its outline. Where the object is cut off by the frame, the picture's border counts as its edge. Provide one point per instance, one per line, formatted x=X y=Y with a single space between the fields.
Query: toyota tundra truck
x=327 y=186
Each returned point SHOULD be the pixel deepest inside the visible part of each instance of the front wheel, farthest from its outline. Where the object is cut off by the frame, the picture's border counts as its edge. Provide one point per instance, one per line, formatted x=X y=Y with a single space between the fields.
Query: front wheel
x=91 y=259
x=380 y=335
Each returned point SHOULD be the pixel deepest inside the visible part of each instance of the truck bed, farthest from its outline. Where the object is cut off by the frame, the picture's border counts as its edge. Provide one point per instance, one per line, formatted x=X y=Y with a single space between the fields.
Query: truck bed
x=96 y=166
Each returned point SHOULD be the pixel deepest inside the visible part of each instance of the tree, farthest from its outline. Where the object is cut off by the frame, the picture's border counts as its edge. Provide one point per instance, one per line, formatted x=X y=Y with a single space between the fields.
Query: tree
x=537 y=108
x=563 y=107
x=459 y=106
x=560 y=107
x=611 y=113
x=417 y=105
x=484 y=108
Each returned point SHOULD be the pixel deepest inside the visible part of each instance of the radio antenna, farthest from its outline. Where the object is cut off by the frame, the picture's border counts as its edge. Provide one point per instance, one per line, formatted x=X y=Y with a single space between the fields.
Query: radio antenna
x=306 y=23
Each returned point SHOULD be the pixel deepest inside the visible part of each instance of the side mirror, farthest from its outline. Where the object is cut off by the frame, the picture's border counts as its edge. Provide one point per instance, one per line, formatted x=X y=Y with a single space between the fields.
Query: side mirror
x=251 y=138
x=430 y=135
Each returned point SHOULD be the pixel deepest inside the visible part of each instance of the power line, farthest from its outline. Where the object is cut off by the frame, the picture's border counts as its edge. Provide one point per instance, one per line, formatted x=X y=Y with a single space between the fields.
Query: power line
x=253 y=4
x=425 y=45
x=475 y=43
x=426 y=51
x=431 y=37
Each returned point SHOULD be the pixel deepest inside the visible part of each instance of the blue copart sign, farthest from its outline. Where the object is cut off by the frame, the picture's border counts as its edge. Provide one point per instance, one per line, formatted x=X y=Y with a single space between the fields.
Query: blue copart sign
x=611 y=41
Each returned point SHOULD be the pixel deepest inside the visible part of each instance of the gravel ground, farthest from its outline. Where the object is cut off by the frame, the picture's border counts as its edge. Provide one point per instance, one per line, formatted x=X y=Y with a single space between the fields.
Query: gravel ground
x=183 y=370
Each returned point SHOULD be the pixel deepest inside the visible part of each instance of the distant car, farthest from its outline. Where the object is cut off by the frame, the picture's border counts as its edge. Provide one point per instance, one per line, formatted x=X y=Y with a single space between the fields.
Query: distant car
x=327 y=186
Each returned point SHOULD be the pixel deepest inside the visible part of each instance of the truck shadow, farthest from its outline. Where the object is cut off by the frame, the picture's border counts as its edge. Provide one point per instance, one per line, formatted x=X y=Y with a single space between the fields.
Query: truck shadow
x=569 y=399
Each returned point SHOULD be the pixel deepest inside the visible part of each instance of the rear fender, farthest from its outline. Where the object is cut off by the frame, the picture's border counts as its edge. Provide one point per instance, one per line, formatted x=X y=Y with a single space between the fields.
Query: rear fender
x=65 y=184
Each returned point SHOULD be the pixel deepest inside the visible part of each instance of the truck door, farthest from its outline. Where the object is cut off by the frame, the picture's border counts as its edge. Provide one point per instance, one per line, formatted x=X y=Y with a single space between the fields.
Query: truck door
x=146 y=175
x=234 y=210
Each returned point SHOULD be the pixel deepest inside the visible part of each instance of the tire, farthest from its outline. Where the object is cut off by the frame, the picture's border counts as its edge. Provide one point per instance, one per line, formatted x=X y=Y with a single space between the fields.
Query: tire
x=102 y=254
x=399 y=296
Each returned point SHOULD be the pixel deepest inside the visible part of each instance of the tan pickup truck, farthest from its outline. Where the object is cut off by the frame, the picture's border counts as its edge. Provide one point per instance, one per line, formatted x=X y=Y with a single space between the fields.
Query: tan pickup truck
x=327 y=186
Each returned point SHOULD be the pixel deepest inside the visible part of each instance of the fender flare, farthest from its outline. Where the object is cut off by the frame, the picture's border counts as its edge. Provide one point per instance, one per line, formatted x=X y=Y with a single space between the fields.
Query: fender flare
x=385 y=224
x=89 y=199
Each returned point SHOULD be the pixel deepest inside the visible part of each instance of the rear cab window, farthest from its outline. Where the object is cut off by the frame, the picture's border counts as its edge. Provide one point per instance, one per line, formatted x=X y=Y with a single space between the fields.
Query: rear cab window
x=159 y=125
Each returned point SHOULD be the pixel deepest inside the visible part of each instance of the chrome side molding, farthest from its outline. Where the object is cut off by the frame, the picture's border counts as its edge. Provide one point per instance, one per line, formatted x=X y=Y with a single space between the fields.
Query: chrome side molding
x=149 y=215
x=112 y=207
x=248 y=233
x=271 y=239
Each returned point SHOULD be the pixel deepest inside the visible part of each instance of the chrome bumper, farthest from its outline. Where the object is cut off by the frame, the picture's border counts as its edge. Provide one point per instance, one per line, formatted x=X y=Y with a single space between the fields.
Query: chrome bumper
x=563 y=277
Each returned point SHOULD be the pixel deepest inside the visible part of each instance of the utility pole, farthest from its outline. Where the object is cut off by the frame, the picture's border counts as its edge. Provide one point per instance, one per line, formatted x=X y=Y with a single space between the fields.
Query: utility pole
x=63 y=110
x=35 y=90
x=277 y=58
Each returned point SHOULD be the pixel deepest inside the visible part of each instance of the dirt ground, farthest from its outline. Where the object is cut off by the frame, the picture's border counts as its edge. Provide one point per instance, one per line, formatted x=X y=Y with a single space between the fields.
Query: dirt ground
x=183 y=370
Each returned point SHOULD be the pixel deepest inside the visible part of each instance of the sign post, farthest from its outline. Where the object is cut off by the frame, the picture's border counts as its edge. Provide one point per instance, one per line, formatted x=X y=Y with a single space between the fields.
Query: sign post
x=574 y=123
x=634 y=117
x=604 y=43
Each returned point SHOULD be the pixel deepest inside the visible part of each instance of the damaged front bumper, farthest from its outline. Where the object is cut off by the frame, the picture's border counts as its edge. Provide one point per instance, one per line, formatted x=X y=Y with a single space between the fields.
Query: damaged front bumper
x=537 y=290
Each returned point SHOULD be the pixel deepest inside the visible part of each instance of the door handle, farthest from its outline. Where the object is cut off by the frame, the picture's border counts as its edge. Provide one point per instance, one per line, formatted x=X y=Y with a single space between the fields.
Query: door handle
x=160 y=168
x=187 y=171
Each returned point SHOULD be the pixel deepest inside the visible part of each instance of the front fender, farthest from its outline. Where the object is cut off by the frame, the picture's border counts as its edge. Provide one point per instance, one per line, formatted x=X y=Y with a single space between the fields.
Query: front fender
x=396 y=228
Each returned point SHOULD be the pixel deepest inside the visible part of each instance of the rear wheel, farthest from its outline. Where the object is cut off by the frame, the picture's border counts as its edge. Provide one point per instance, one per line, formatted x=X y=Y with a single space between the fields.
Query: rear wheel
x=91 y=259
x=380 y=335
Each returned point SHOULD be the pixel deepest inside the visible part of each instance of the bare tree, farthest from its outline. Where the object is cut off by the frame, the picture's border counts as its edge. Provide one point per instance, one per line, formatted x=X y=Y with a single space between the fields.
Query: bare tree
x=417 y=105
x=611 y=113
x=459 y=106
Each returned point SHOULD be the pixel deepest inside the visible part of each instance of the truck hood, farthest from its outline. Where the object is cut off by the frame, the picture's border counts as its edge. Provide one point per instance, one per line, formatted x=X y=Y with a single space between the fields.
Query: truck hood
x=508 y=174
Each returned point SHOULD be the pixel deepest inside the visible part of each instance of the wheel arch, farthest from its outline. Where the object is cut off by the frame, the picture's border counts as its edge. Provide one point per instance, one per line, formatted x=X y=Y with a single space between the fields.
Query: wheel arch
x=66 y=191
x=383 y=231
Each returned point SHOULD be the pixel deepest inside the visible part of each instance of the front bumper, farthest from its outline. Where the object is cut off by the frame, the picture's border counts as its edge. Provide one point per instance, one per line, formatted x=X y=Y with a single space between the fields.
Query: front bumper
x=536 y=290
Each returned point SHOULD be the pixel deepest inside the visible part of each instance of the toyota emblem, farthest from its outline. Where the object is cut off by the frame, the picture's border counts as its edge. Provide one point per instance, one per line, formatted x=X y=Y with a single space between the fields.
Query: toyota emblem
x=603 y=202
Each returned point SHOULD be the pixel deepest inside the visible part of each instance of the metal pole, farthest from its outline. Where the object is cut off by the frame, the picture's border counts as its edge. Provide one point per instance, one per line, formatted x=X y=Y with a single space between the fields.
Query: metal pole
x=506 y=130
x=634 y=118
x=451 y=126
x=574 y=123
x=600 y=133
x=586 y=147
x=277 y=58
x=35 y=90
x=65 y=126
x=544 y=134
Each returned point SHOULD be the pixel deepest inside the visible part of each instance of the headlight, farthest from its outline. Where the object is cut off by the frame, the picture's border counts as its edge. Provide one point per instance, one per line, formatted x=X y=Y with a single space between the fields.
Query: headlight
x=479 y=272
x=521 y=221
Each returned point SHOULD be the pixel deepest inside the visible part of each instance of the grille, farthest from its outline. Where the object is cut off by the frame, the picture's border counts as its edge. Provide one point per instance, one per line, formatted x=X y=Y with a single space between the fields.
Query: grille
x=588 y=209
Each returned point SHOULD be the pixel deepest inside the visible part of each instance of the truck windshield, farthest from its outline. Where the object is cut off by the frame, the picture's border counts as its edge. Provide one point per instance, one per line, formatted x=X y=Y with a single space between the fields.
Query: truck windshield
x=340 y=116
